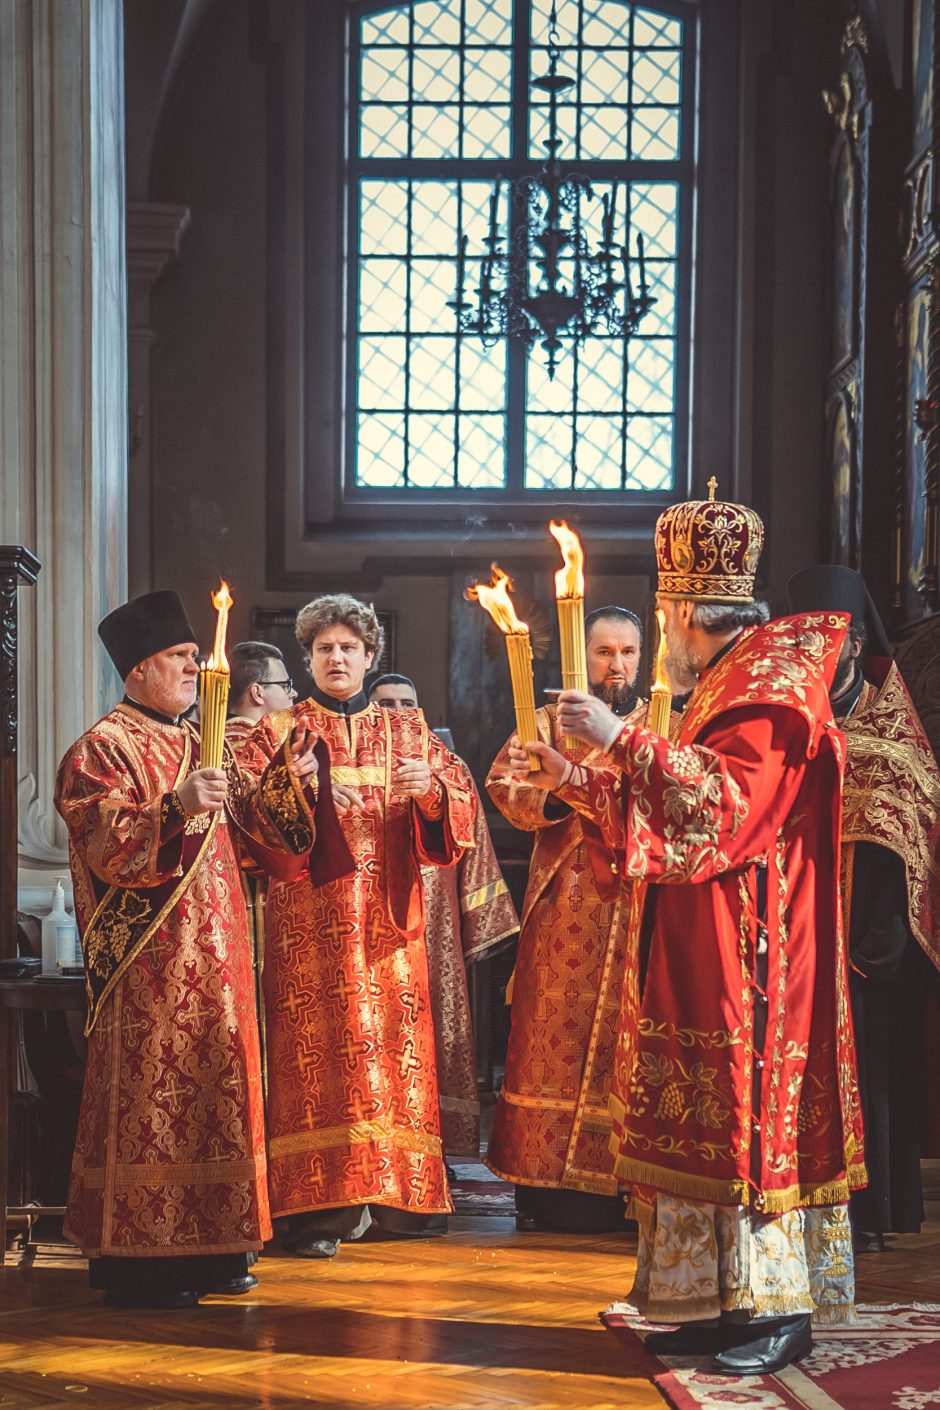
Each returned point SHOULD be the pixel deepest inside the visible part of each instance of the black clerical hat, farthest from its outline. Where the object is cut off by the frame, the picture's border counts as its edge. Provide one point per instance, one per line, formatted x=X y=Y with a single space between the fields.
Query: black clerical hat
x=142 y=627
x=833 y=588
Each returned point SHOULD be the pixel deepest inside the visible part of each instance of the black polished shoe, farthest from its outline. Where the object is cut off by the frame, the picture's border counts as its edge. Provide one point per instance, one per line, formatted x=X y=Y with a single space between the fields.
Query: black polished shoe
x=316 y=1248
x=691 y=1339
x=235 y=1287
x=784 y=1340
x=158 y=1302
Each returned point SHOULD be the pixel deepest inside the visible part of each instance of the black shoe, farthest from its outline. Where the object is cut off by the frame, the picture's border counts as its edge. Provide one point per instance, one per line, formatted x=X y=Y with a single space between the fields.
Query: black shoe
x=866 y=1241
x=692 y=1339
x=316 y=1248
x=158 y=1302
x=235 y=1287
x=784 y=1340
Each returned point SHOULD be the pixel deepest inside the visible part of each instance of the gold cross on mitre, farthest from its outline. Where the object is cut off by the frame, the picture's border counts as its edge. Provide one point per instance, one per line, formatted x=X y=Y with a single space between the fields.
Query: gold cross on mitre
x=712 y=487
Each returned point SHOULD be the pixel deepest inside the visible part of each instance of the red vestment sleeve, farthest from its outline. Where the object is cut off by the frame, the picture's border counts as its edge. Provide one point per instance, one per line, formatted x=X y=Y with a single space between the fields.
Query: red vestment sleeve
x=287 y=828
x=689 y=812
x=442 y=841
x=124 y=836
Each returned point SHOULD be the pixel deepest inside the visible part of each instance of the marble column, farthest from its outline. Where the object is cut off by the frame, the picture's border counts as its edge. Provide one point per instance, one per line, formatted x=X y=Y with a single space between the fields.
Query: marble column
x=154 y=233
x=63 y=372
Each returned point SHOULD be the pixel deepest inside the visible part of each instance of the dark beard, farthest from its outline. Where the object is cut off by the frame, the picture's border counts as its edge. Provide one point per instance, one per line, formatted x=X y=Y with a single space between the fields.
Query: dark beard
x=845 y=679
x=617 y=697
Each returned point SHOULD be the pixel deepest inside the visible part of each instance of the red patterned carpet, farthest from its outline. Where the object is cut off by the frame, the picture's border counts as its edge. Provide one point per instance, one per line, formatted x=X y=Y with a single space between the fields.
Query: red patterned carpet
x=888 y=1360
x=478 y=1191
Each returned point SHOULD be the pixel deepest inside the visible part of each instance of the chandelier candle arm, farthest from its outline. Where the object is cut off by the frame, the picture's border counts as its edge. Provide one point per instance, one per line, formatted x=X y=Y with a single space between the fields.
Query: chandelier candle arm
x=660 y=706
x=494 y=598
x=214 y=681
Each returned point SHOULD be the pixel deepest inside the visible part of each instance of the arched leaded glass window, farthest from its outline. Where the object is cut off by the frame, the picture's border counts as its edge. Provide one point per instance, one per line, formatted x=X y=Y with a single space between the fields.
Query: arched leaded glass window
x=441 y=105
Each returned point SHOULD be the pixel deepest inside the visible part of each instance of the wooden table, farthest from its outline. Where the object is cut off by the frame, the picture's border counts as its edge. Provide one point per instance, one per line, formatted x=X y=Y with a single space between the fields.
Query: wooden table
x=64 y=995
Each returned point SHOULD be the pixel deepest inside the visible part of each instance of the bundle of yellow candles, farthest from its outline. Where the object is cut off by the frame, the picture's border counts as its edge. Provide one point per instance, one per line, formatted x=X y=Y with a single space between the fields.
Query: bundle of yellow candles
x=661 y=693
x=214 y=680
x=494 y=598
x=569 y=599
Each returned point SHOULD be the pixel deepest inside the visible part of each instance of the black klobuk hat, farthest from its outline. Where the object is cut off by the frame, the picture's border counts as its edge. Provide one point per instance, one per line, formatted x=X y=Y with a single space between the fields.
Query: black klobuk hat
x=834 y=588
x=147 y=624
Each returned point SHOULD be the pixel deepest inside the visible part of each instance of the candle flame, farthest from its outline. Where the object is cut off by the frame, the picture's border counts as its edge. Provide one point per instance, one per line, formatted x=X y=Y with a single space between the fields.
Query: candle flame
x=661 y=679
x=494 y=598
x=569 y=580
x=222 y=601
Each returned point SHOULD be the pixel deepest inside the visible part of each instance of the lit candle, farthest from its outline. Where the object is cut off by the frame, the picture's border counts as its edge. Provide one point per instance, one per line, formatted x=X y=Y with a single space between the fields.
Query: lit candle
x=660 y=707
x=569 y=599
x=494 y=598
x=214 y=681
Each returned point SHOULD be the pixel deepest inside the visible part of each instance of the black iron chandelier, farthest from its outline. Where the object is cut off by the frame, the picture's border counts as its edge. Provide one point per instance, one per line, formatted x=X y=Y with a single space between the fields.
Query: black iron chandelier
x=547 y=233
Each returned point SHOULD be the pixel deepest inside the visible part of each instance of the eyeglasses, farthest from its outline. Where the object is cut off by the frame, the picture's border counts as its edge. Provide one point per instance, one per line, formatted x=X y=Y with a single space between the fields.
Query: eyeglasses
x=287 y=683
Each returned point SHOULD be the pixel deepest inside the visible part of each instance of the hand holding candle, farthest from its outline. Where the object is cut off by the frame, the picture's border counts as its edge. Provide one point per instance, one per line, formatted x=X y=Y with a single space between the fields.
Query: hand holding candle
x=214 y=679
x=494 y=598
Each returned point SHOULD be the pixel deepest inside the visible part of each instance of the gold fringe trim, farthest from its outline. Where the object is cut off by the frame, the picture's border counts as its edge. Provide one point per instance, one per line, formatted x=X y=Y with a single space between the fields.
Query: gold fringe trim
x=730 y=1192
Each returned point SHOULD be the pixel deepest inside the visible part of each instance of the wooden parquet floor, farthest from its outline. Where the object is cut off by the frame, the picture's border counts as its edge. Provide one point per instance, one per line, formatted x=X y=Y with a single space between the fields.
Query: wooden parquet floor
x=484 y=1319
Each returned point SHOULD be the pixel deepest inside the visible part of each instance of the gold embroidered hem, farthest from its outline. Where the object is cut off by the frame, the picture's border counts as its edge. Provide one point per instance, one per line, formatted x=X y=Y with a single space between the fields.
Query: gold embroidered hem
x=697 y=1260
x=633 y=1173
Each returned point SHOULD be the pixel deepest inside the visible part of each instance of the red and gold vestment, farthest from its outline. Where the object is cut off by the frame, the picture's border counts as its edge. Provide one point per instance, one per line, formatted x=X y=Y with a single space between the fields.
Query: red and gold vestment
x=892 y=794
x=746 y=799
x=170 y=1154
x=353 y=1112
x=552 y=1126
x=469 y=914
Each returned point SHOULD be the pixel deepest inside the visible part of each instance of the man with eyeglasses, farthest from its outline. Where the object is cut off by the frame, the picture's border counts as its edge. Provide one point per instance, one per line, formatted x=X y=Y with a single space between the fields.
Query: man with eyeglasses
x=260 y=686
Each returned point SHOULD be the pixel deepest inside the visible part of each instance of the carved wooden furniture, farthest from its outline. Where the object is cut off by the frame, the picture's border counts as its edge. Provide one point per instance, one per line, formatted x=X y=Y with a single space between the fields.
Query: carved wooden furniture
x=18 y=567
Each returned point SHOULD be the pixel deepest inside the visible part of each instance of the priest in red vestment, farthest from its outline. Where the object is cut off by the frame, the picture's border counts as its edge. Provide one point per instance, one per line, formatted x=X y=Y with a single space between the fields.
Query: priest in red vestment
x=551 y=1128
x=354 y=1132
x=735 y=1102
x=890 y=899
x=470 y=915
x=168 y=1194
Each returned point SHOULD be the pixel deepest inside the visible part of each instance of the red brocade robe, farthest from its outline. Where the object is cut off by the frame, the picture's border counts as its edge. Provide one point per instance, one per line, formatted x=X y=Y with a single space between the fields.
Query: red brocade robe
x=353 y=1112
x=751 y=783
x=170 y=1155
x=552 y=1126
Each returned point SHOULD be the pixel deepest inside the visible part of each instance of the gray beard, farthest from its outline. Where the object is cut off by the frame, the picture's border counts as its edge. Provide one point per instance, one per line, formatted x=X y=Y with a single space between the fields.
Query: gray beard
x=681 y=670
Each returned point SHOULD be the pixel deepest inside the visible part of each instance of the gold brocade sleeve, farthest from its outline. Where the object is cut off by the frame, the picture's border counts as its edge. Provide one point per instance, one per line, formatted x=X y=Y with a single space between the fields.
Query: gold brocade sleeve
x=690 y=812
x=273 y=810
x=520 y=803
x=457 y=814
x=117 y=822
